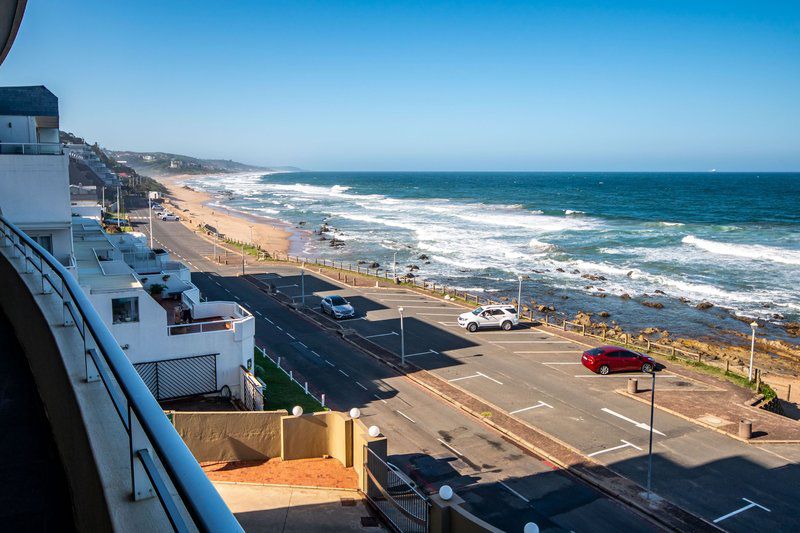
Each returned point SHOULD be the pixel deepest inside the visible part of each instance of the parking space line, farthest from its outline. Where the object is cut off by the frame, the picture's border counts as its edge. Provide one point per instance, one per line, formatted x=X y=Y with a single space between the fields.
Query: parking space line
x=448 y=323
x=344 y=373
x=623 y=376
x=270 y=321
x=315 y=353
x=401 y=413
x=515 y=493
x=450 y=448
x=463 y=377
x=301 y=343
x=435 y=314
x=349 y=319
x=625 y=445
x=329 y=363
x=290 y=335
x=750 y=505
x=641 y=425
x=540 y=404
x=360 y=385
x=422 y=353
x=381 y=335
x=487 y=377
x=286 y=286
x=547 y=351
x=379 y=398
x=543 y=341
x=258 y=313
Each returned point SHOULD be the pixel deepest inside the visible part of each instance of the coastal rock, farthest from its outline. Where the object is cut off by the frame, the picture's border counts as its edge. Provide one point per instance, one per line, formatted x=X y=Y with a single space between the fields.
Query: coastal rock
x=630 y=274
x=361 y=262
x=659 y=291
x=427 y=262
x=559 y=270
x=584 y=319
x=412 y=267
x=323 y=238
x=564 y=297
x=410 y=276
x=576 y=271
x=625 y=296
x=654 y=305
x=423 y=257
x=604 y=314
x=792 y=328
x=600 y=295
x=684 y=300
x=650 y=331
x=374 y=264
x=336 y=243
x=704 y=305
x=593 y=277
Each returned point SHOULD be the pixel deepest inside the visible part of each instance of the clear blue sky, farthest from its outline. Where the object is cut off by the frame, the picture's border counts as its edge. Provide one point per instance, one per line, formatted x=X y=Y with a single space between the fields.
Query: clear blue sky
x=651 y=85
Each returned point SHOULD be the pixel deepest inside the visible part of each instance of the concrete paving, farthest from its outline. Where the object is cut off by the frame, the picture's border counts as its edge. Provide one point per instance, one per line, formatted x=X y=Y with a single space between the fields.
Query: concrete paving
x=433 y=442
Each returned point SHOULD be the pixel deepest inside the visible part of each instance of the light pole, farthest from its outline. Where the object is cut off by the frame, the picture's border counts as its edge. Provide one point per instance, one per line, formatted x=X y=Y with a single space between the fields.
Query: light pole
x=394 y=264
x=650 y=451
x=303 y=286
x=519 y=296
x=402 y=339
x=753 y=326
x=150 y=215
x=118 y=208
x=243 y=259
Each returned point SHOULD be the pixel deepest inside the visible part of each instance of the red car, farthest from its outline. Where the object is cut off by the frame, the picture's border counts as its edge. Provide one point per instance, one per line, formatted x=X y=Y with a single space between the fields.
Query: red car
x=607 y=359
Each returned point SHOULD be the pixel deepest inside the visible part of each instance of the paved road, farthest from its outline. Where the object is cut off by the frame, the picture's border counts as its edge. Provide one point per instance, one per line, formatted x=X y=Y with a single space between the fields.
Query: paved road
x=536 y=376
x=432 y=441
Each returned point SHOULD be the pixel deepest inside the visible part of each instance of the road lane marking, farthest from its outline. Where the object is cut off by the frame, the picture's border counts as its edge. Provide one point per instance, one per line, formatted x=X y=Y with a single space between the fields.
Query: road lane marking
x=543 y=341
x=218 y=283
x=641 y=425
x=750 y=505
x=425 y=307
x=463 y=377
x=290 y=335
x=436 y=314
x=487 y=377
x=448 y=323
x=623 y=376
x=360 y=385
x=258 y=313
x=422 y=353
x=540 y=404
x=279 y=328
x=344 y=373
x=451 y=448
x=406 y=300
x=381 y=335
x=350 y=319
x=515 y=493
x=270 y=321
x=476 y=375
x=401 y=413
x=625 y=445
x=286 y=286
x=235 y=296
x=301 y=343
x=379 y=398
x=329 y=363
x=315 y=353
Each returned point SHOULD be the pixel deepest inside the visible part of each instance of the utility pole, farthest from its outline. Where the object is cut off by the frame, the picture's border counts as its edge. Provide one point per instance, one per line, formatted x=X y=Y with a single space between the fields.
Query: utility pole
x=402 y=339
x=118 y=208
x=303 y=286
x=394 y=264
x=650 y=451
x=242 y=259
x=519 y=298
x=150 y=214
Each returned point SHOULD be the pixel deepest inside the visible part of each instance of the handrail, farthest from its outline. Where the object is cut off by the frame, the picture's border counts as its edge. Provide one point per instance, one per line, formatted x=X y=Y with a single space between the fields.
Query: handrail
x=202 y=501
x=48 y=148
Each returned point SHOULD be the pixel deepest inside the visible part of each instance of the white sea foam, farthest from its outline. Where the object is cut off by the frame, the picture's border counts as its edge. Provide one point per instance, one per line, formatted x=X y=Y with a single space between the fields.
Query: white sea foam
x=540 y=247
x=573 y=212
x=747 y=251
x=671 y=223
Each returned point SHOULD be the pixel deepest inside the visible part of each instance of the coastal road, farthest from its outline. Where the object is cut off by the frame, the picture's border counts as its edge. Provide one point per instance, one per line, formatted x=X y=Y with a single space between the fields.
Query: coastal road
x=430 y=440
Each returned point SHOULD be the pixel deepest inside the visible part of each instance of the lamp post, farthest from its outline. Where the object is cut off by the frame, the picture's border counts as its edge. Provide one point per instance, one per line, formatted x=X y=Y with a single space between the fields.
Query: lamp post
x=118 y=208
x=402 y=339
x=394 y=265
x=519 y=296
x=753 y=326
x=303 y=286
x=216 y=235
x=650 y=450
x=150 y=214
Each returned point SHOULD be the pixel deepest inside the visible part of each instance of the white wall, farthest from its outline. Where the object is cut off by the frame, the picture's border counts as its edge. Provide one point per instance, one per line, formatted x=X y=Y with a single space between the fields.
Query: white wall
x=35 y=188
x=22 y=130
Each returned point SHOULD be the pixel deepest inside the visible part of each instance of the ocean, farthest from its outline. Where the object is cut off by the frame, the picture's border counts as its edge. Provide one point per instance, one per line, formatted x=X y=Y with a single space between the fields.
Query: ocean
x=582 y=239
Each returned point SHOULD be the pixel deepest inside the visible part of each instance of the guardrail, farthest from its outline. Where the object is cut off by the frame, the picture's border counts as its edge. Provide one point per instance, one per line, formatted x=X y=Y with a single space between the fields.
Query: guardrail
x=152 y=439
x=320 y=399
x=31 y=148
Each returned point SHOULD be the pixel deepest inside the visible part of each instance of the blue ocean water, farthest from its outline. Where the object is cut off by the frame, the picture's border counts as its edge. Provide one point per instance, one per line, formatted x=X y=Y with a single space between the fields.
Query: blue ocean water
x=584 y=239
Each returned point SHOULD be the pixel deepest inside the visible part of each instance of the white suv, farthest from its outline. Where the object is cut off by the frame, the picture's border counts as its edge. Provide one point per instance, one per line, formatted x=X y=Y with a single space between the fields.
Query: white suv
x=169 y=216
x=489 y=316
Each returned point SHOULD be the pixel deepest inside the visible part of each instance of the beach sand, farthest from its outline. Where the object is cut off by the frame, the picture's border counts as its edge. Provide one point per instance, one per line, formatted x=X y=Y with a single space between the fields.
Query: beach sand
x=270 y=234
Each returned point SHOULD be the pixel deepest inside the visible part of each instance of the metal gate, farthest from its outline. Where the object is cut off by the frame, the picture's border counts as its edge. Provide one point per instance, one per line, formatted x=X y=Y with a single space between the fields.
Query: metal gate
x=252 y=391
x=177 y=378
x=404 y=507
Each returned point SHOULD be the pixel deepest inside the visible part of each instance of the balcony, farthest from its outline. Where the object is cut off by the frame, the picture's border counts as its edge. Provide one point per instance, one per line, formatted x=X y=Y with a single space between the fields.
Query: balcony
x=31 y=148
x=187 y=316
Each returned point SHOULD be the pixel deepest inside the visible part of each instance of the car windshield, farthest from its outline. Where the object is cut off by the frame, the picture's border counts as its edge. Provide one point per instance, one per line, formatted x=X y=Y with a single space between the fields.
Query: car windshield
x=477 y=311
x=595 y=351
x=338 y=300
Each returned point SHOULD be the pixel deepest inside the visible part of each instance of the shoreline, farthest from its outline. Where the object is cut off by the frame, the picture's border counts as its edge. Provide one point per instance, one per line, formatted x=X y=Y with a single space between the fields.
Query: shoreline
x=271 y=234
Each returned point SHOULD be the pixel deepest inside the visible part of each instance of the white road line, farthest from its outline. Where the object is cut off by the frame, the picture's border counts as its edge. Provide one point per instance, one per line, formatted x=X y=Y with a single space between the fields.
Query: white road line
x=641 y=425
x=381 y=335
x=379 y=398
x=329 y=363
x=515 y=493
x=435 y=314
x=401 y=413
x=540 y=404
x=285 y=286
x=360 y=385
x=258 y=313
x=218 y=283
x=750 y=505
x=344 y=373
x=350 y=319
x=227 y=290
x=463 y=377
x=451 y=448
x=487 y=377
x=279 y=328
x=270 y=321
x=422 y=353
x=406 y=300
x=236 y=297
x=315 y=353
x=609 y=376
x=625 y=445
x=448 y=323
x=301 y=343
x=425 y=307
x=290 y=335
x=560 y=363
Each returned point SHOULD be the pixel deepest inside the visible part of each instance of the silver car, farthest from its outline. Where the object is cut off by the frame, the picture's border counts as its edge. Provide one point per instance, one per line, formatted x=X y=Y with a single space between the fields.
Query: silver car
x=337 y=307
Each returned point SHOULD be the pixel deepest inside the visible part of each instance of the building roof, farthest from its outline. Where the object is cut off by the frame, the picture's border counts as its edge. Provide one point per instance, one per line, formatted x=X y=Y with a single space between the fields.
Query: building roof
x=32 y=101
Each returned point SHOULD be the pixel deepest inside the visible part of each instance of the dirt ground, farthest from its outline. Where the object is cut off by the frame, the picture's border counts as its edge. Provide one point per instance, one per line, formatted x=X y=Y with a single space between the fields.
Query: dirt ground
x=329 y=473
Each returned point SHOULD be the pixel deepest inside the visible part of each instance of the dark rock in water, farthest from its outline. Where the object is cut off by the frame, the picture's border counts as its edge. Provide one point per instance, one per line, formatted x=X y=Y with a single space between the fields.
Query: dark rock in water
x=504 y=298
x=361 y=262
x=704 y=305
x=778 y=316
x=792 y=328
x=625 y=296
x=412 y=267
x=427 y=262
x=301 y=223
x=659 y=291
x=374 y=264
x=604 y=314
x=684 y=300
x=323 y=238
x=576 y=271
x=336 y=243
x=409 y=275
x=564 y=297
x=593 y=277
x=650 y=331
x=600 y=295
x=645 y=295
x=423 y=257
x=629 y=274
x=559 y=270
x=654 y=305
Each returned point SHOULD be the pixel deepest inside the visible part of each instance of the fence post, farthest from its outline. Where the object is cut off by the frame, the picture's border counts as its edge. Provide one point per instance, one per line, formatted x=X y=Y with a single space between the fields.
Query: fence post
x=727 y=365
x=323 y=400
x=648 y=345
x=564 y=325
x=279 y=361
x=583 y=329
x=306 y=387
x=789 y=392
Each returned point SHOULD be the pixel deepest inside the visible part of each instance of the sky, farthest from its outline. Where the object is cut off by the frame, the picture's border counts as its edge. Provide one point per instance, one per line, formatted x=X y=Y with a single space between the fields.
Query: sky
x=402 y=85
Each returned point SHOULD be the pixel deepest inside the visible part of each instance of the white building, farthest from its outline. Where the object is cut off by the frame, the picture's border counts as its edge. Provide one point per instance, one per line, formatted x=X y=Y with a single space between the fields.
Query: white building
x=179 y=344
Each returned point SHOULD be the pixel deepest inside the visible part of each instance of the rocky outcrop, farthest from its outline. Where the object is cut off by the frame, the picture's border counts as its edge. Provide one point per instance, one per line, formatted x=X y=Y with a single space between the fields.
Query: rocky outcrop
x=704 y=305
x=654 y=305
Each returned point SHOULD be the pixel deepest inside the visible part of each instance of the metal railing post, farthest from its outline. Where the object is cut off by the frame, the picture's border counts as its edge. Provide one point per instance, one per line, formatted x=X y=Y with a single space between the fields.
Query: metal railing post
x=140 y=483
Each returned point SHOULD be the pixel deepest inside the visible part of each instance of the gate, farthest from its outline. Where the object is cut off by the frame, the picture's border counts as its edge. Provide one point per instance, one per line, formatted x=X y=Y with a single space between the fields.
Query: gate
x=177 y=378
x=252 y=391
x=404 y=507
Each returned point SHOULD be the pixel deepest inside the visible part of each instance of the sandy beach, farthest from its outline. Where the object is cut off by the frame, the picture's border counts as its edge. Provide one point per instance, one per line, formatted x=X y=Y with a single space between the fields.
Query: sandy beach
x=271 y=235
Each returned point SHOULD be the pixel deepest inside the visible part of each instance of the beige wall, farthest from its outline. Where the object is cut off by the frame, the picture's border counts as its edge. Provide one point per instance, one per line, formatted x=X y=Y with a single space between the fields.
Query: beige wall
x=231 y=436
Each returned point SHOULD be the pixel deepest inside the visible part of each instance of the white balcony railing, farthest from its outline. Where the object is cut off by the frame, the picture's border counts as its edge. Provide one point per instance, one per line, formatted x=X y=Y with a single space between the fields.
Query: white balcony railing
x=31 y=148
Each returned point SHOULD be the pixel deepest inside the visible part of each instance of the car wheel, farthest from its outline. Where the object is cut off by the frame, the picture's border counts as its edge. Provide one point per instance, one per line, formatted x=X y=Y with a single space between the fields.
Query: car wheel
x=604 y=370
x=647 y=368
x=506 y=325
x=472 y=327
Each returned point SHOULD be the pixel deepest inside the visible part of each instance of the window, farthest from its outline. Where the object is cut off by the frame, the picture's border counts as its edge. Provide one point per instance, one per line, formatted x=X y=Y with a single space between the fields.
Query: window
x=45 y=241
x=125 y=310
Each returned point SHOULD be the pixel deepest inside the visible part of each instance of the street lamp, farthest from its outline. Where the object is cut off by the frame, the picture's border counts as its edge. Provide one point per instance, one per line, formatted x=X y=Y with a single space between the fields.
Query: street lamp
x=216 y=236
x=753 y=326
x=394 y=265
x=402 y=339
x=519 y=296
x=150 y=214
x=650 y=450
x=303 y=286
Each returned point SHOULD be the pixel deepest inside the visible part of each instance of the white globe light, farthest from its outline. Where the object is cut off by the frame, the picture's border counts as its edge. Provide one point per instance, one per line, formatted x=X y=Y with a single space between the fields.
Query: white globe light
x=355 y=413
x=530 y=527
x=297 y=410
x=446 y=492
x=374 y=431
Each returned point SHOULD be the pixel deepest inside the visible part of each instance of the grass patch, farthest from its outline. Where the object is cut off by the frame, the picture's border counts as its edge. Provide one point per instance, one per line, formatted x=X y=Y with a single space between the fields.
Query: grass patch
x=736 y=379
x=282 y=393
